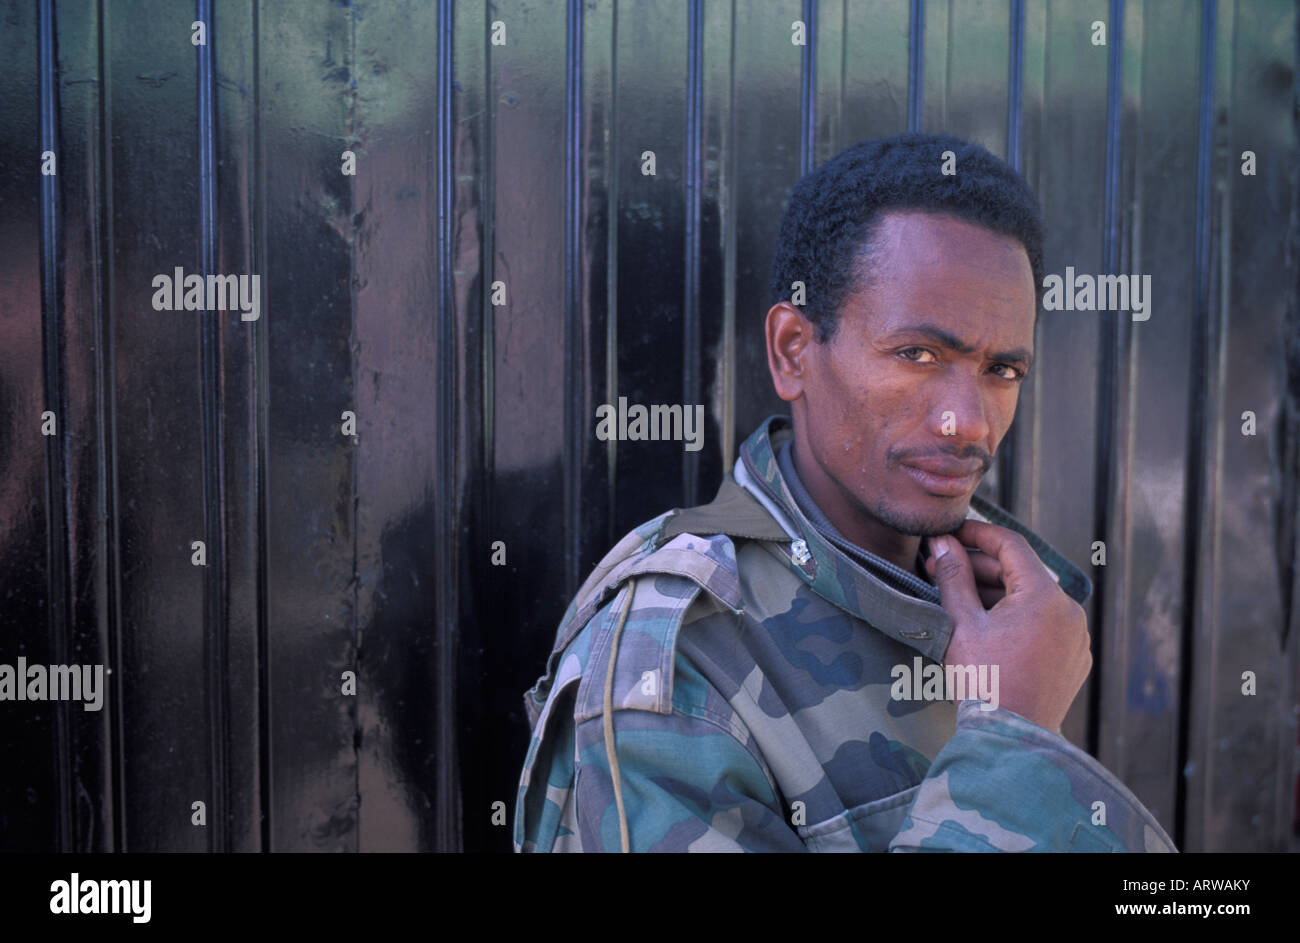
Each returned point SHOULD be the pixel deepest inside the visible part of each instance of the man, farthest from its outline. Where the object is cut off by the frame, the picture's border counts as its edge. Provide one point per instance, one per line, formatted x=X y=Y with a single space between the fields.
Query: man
x=763 y=673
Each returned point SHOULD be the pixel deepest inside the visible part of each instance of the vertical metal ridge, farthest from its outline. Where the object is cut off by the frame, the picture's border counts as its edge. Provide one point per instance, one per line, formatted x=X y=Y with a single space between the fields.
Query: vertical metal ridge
x=261 y=385
x=215 y=615
x=808 y=90
x=1106 y=358
x=447 y=811
x=1196 y=437
x=948 y=45
x=57 y=550
x=1042 y=82
x=1015 y=84
x=693 y=174
x=915 y=35
x=353 y=591
x=105 y=486
x=1288 y=426
x=487 y=256
x=1290 y=451
x=574 y=349
x=611 y=279
x=1015 y=91
x=840 y=142
x=727 y=220
x=106 y=423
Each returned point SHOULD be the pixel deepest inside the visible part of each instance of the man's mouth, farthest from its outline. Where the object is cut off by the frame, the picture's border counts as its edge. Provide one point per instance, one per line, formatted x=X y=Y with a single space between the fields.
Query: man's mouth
x=949 y=477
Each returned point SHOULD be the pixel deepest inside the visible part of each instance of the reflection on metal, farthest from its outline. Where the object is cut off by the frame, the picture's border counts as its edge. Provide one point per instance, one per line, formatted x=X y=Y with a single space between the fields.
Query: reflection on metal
x=433 y=551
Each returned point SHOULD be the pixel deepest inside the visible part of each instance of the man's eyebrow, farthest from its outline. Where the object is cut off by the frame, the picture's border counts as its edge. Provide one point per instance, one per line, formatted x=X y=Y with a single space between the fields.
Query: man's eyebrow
x=952 y=342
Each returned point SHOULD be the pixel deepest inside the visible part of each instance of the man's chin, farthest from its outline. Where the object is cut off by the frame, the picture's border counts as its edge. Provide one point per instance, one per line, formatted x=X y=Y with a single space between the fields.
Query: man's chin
x=920 y=524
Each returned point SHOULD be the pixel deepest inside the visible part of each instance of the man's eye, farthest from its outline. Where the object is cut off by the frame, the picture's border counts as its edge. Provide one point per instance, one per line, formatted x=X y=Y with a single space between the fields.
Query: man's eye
x=913 y=354
x=1013 y=373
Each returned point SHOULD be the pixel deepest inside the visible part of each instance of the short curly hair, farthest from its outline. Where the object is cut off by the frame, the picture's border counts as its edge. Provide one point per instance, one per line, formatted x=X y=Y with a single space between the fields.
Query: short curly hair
x=834 y=211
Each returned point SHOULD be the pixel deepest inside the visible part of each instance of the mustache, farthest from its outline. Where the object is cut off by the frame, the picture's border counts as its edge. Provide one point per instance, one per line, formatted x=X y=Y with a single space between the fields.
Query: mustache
x=897 y=456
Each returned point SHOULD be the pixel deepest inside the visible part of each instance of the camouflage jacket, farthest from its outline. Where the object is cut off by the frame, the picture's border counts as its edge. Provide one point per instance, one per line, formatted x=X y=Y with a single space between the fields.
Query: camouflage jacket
x=722 y=682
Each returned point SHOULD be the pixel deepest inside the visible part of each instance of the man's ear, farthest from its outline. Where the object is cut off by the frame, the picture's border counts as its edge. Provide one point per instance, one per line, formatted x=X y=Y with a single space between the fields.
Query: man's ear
x=790 y=341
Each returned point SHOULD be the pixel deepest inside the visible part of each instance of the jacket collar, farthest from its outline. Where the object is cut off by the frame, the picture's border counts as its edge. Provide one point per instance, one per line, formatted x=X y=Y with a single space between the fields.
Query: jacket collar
x=830 y=573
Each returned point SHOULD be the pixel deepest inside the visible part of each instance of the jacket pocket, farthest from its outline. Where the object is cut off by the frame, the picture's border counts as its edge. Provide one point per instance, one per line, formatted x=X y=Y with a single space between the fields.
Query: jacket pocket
x=866 y=827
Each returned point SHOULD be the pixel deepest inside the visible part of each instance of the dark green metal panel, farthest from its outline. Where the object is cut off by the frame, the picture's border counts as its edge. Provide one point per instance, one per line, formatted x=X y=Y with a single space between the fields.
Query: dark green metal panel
x=497 y=268
x=308 y=83
x=35 y=800
x=1244 y=617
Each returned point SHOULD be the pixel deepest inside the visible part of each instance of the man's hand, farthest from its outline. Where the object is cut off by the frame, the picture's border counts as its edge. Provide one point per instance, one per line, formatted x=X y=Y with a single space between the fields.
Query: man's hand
x=988 y=577
x=1035 y=634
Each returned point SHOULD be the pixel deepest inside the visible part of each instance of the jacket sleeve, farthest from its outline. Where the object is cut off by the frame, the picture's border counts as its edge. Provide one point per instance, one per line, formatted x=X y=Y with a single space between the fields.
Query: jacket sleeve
x=1003 y=783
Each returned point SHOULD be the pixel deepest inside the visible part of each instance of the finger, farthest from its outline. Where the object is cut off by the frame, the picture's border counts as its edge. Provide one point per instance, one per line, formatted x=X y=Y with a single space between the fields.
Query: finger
x=1022 y=570
x=987 y=569
x=952 y=571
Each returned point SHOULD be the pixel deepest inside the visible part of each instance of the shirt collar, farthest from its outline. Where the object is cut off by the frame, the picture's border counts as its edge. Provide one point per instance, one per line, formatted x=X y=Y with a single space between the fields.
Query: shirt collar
x=902 y=580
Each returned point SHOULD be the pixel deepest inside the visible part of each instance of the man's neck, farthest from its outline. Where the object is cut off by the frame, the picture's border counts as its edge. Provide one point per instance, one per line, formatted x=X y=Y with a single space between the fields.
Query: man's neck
x=852 y=521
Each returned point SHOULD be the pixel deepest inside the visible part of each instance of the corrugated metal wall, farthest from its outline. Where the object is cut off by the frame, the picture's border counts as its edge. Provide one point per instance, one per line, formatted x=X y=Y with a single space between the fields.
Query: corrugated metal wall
x=520 y=162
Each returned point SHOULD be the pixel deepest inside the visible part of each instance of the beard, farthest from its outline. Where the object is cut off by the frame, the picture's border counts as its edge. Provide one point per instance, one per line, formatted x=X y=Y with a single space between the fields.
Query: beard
x=917 y=523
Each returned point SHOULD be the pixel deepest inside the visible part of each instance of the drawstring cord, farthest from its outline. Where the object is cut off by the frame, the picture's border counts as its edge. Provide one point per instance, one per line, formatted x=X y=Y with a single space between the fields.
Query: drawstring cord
x=608 y=721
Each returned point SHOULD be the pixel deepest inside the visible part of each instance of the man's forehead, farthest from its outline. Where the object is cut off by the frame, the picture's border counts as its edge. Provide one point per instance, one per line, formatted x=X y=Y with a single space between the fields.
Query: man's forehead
x=920 y=239
x=941 y=270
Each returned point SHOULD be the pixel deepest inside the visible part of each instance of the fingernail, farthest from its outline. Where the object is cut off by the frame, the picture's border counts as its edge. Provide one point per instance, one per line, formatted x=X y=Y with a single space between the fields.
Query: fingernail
x=940 y=546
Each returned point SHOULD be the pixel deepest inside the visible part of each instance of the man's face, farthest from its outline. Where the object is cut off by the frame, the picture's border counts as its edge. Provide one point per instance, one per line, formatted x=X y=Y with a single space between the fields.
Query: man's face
x=904 y=407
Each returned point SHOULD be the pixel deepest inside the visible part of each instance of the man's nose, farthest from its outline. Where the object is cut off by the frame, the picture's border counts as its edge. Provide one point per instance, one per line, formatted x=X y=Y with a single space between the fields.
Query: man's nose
x=961 y=412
